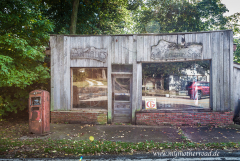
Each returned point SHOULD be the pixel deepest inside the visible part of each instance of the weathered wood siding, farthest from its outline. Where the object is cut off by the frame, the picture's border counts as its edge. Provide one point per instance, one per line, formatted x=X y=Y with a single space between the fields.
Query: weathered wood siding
x=135 y=50
x=236 y=85
x=60 y=73
x=122 y=51
x=99 y=42
x=216 y=46
x=61 y=64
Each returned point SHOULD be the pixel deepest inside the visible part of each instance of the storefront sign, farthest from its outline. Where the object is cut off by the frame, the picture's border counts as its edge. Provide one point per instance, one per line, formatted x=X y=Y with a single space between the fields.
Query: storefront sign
x=169 y=51
x=150 y=103
x=89 y=53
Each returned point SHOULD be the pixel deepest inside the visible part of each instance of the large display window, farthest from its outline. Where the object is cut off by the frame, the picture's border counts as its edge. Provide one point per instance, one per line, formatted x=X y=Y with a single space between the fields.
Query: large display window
x=177 y=85
x=89 y=88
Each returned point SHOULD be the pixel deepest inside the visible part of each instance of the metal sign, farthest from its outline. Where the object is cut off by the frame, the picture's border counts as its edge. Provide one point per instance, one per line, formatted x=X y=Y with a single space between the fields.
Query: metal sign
x=150 y=103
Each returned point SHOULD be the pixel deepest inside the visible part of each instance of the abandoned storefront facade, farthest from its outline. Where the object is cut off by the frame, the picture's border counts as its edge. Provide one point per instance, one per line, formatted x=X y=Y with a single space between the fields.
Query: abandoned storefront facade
x=151 y=79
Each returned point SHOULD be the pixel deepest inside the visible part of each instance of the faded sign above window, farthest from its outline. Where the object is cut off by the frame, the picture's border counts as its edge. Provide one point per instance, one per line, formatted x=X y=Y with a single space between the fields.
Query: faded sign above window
x=167 y=50
x=89 y=53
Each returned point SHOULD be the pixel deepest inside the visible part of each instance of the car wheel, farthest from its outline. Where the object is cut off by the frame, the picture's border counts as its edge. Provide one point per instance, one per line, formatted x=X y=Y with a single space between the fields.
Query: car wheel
x=199 y=95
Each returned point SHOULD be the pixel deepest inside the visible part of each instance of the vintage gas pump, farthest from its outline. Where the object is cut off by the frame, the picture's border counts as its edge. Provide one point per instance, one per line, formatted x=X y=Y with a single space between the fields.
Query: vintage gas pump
x=39 y=112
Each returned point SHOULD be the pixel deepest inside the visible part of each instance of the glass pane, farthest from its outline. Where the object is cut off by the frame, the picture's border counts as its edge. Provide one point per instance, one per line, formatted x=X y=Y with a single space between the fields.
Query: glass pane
x=36 y=100
x=177 y=85
x=90 y=88
x=122 y=89
x=122 y=68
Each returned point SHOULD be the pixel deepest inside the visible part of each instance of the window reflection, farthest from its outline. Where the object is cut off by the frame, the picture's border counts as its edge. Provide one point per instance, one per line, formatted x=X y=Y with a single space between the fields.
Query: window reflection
x=90 y=88
x=122 y=89
x=177 y=85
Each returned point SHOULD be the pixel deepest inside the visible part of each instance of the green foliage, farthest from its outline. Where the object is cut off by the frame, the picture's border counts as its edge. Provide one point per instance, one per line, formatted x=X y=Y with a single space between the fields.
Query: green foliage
x=23 y=39
x=179 y=16
x=237 y=52
x=94 y=16
x=233 y=23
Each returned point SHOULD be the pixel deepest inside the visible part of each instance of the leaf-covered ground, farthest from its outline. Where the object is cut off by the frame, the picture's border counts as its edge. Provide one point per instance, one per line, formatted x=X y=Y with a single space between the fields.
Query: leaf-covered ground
x=16 y=126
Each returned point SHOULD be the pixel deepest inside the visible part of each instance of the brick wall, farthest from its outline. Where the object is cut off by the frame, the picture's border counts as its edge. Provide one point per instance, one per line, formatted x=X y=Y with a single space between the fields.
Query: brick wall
x=72 y=117
x=190 y=118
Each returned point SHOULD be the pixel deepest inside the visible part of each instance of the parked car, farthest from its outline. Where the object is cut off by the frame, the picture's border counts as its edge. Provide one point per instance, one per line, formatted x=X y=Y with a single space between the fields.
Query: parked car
x=203 y=89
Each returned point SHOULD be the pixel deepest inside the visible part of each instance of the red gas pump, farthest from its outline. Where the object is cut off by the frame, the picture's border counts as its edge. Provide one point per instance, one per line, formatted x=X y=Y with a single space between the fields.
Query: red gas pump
x=39 y=112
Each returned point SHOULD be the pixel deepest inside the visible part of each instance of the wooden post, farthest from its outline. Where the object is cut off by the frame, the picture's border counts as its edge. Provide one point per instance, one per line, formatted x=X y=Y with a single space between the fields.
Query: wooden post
x=134 y=83
x=109 y=80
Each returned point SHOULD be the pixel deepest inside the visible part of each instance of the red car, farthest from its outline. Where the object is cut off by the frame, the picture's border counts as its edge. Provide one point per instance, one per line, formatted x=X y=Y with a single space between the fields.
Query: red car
x=202 y=89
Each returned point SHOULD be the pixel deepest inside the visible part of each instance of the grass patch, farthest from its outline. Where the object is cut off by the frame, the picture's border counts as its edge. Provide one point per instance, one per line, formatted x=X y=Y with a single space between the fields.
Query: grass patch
x=58 y=148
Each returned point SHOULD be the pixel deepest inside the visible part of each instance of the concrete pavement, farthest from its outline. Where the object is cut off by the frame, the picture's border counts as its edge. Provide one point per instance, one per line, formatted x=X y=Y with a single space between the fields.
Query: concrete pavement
x=138 y=133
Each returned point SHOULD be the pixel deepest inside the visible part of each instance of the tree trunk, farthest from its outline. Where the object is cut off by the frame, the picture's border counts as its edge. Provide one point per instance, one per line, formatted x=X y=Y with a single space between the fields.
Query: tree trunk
x=162 y=83
x=103 y=74
x=74 y=17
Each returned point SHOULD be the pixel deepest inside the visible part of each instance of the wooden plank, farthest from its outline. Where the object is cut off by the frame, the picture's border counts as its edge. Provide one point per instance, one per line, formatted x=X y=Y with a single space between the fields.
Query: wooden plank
x=140 y=52
x=211 y=87
x=236 y=87
x=152 y=42
x=120 y=51
x=121 y=115
x=116 y=53
x=53 y=42
x=157 y=39
x=220 y=74
x=125 y=49
x=112 y=49
x=87 y=63
x=134 y=83
x=226 y=83
x=231 y=68
x=164 y=37
x=214 y=44
x=139 y=85
x=145 y=47
x=58 y=72
x=122 y=110
x=234 y=84
x=206 y=46
x=122 y=119
x=187 y=37
x=130 y=49
x=199 y=39
x=66 y=74
x=71 y=86
x=109 y=77
x=174 y=38
x=179 y=39
x=193 y=37
x=87 y=42
x=148 y=53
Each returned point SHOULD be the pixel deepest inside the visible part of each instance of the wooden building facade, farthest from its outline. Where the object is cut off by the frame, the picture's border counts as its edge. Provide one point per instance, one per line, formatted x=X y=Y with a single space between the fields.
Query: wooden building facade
x=118 y=59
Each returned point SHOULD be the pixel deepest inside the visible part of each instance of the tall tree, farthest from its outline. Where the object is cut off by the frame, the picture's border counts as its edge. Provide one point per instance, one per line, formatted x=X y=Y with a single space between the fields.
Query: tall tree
x=23 y=39
x=93 y=16
x=180 y=16
x=74 y=17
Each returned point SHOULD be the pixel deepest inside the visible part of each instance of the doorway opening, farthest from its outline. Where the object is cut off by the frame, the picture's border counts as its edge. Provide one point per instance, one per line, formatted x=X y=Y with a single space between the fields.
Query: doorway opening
x=122 y=98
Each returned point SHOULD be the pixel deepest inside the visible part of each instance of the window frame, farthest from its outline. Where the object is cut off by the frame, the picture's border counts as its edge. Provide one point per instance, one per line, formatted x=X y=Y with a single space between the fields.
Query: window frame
x=71 y=91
